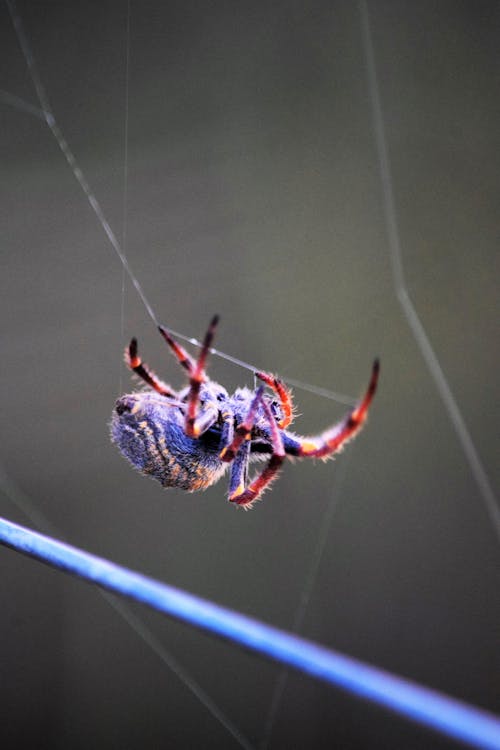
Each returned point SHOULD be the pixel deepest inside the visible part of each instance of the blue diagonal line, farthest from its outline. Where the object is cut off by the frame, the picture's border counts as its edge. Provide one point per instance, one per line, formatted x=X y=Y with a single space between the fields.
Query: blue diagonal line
x=428 y=707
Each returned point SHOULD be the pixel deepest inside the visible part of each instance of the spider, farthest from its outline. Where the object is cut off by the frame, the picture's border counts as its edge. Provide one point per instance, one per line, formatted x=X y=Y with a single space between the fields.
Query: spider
x=188 y=438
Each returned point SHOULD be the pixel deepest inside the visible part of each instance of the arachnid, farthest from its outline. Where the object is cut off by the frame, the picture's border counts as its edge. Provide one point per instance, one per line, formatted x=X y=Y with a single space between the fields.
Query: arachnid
x=188 y=438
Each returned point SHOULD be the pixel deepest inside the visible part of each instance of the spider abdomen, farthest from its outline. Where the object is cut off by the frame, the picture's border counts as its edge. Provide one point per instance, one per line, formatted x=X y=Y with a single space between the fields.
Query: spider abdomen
x=150 y=434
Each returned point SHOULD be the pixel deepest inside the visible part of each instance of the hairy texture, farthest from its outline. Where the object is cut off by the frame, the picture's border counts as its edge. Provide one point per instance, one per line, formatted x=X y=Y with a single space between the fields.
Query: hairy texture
x=188 y=439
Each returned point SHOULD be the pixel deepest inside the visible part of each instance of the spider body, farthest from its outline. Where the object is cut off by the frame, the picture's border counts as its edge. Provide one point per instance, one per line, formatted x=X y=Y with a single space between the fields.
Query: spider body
x=188 y=439
x=150 y=433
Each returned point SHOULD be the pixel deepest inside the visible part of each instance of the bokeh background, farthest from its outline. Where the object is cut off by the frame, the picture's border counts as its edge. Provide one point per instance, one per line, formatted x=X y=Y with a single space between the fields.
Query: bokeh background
x=253 y=191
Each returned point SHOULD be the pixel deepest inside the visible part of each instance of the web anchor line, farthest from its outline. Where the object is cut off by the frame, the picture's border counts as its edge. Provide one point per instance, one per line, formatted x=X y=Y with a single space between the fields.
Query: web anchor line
x=125 y=184
x=409 y=312
x=281 y=679
x=45 y=113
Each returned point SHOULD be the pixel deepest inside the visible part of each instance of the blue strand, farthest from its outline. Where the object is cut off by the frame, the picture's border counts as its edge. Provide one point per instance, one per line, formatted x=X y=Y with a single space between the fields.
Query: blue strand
x=428 y=707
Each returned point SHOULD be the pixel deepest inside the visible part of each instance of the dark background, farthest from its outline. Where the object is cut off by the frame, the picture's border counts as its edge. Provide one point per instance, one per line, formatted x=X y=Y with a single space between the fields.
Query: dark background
x=253 y=191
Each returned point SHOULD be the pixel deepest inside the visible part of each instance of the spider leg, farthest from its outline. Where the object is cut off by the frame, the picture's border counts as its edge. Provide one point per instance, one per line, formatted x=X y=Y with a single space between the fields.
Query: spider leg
x=196 y=370
x=284 y=395
x=244 y=430
x=197 y=377
x=331 y=440
x=227 y=433
x=184 y=359
x=239 y=471
x=247 y=496
x=205 y=420
x=136 y=364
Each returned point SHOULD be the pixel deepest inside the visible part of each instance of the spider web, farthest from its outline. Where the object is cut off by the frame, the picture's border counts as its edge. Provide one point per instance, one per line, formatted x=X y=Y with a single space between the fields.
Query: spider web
x=323 y=573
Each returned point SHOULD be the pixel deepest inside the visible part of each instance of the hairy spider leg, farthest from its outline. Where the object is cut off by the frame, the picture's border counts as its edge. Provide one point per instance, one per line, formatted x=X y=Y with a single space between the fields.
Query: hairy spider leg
x=196 y=370
x=227 y=432
x=184 y=359
x=332 y=439
x=243 y=431
x=136 y=364
x=197 y=377
x=204 y=421
x=283 y=394
x=247 y=496
x=239 y=471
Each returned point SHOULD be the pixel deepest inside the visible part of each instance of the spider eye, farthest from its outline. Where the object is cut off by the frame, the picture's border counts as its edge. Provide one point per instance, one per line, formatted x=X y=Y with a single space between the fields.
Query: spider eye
x=220 y=396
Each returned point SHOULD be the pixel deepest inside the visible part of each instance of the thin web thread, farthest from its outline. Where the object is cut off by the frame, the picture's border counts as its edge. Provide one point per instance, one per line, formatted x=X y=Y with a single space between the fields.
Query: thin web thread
x=47 y=114
x=419 y=333
x=70 y=158
x=125 y=181
x=23 y=503
x=312 y=574
x=17 y=103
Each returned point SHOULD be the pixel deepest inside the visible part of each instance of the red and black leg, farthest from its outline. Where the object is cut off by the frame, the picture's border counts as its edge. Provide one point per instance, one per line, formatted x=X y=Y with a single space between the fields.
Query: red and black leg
x=196 y=369
x=283 y=394
x=136 y=364
x=332 y=440
x=184 y=359
x=246 y=496
x=196 y=378
x=243 y=431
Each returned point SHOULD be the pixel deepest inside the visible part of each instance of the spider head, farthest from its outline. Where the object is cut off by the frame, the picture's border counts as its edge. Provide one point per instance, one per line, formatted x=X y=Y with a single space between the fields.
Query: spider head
x=241 y=403
x=211 y=394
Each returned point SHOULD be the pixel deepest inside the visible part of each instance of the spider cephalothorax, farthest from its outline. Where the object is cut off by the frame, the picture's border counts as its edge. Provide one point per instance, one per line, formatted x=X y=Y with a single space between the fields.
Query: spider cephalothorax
x=187 y=439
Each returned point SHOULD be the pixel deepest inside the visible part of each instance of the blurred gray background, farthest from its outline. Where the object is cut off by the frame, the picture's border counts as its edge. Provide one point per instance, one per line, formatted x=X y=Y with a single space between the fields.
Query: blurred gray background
x=254 y=192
